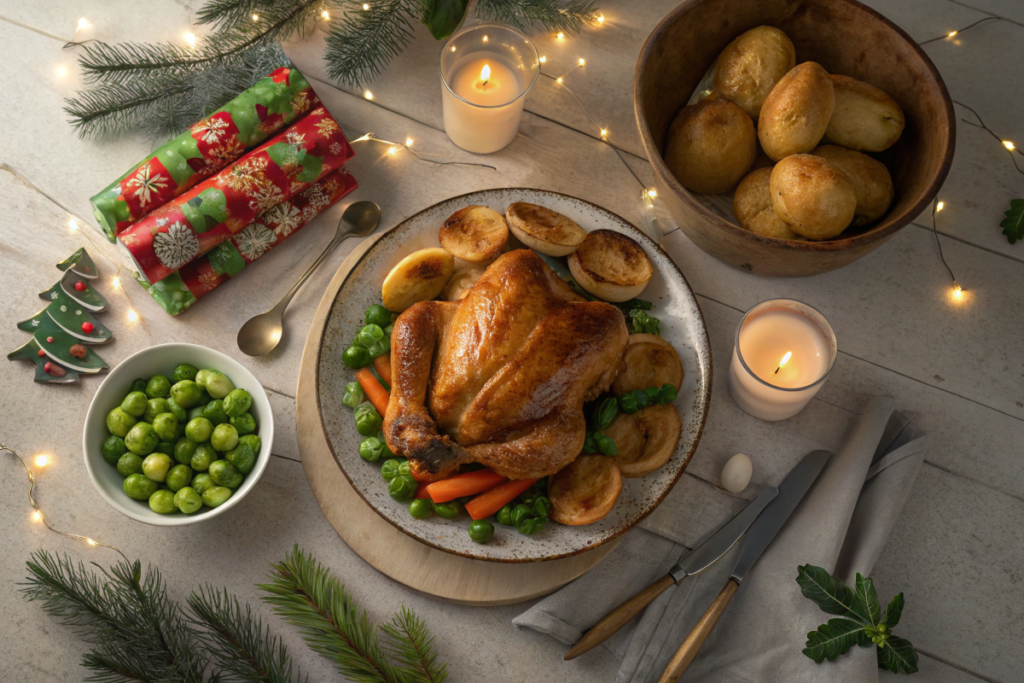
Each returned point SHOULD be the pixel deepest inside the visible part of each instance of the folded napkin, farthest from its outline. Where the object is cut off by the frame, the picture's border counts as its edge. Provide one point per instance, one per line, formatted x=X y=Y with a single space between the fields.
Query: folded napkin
x=841 y=525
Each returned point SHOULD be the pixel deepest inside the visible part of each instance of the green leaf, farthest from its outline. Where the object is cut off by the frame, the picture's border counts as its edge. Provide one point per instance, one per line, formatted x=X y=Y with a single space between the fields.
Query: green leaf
x=442 y=17
x=866 y=601
x=1013 y=224
x=893 y=611
x=897 y=655
x=835 y=638
x=829 y=593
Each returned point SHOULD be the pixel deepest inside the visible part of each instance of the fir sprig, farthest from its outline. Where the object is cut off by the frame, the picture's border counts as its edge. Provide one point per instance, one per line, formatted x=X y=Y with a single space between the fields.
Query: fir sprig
x=410 y=643
x=531 y=15
x=365 y=41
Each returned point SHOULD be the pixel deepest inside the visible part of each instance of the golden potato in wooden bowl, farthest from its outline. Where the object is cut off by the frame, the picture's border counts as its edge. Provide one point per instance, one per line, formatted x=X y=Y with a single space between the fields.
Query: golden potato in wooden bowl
x=796 y=112
x=865 y=118
x=871 y=181
x=711 y=145
x=751 y=65
x=752 y=205
x=813 y=196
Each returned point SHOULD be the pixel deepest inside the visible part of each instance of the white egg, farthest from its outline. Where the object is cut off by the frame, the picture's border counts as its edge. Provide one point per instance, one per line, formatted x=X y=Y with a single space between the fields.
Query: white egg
x=736 y=473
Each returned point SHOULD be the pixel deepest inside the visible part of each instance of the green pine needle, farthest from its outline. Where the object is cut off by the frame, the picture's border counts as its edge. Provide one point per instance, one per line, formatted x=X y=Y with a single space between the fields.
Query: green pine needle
x=410 y=643
x=363 y=42
x=532 y=15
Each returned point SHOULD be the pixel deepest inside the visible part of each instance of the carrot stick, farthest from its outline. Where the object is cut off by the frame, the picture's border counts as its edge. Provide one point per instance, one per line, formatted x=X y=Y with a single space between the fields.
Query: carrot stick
x=382 y=364
x=467 y=484
x=426 y=477
x=375 y=393
x=421 y=491
x=486 y=504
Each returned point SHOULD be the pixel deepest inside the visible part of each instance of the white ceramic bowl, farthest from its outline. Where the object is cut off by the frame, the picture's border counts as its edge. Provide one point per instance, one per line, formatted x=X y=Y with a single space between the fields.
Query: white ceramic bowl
x=161 y=360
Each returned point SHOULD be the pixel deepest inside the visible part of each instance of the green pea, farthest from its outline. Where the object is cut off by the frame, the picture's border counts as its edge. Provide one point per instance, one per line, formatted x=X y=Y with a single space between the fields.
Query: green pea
x=198 y=411
x=642 y=398
x=481 y=531
x=166 y=447
x=237 y=402
x=224 y=437
x=420 y=508
x=370 y=335
x=389 y=470
x=353 y=395
x=370 y=449
x=504 y=516
x=606 y=445
x=204 y=397
x=179 y=477
x=214 y=412
x=252 y=441
x=202 y=376
x=119 y=422
x=628 y=404
x=356 y=356
x=184 y=371
x=242 y=457
x=177 y=411
x=244 y=423
x=135 y=404
x=377 y=315
x=138 y=487
x=158 y=386
x=449 y=510
x=155 y=466
x=201 y=482
x=590 y=443
x=113 y=448
x=199 y=429
x=141 y=439
x=667 y=394
x=166 y=426
x=402 y=487
x=129 y=464
x=202 y=458
x=224 y=473
x=652 y=394
x=542 y=506
x=216 y=496
x=188 y=500
x=162 y=501
x=519 y=512
x=154 y=407
x=368 y=420
x=139 y=385
x=184 y=449
x=530 y=525
x=218 y=385
x=186 y=393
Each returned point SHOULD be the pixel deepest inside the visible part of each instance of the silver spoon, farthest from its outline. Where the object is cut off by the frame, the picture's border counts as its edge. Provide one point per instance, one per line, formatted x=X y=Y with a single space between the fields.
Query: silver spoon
x=262 y=333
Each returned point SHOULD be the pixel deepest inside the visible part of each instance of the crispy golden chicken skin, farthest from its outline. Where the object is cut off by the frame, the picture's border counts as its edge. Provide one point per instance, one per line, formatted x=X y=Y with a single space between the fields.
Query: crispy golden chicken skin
x=500 y=377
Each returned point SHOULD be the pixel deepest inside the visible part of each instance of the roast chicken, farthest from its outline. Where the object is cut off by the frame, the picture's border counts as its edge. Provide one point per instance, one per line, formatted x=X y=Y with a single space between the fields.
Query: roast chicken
x=500 y=377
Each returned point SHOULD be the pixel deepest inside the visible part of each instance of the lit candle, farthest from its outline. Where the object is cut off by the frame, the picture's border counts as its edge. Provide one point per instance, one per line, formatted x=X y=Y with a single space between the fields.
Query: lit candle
x=784 y=351
x=486 y=72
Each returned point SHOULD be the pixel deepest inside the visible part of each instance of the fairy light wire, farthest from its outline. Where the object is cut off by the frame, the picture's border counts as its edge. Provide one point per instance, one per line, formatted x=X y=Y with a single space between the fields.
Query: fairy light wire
x=954 y=33
x=370 y=137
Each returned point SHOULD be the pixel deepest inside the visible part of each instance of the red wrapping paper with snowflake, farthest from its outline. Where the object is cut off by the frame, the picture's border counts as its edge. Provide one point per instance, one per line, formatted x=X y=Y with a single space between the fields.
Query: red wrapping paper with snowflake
x=210 y=213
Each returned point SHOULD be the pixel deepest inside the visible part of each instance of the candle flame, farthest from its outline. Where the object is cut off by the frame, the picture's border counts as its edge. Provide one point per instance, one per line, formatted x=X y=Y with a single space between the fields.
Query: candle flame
x=485 y=73
x=785 y=359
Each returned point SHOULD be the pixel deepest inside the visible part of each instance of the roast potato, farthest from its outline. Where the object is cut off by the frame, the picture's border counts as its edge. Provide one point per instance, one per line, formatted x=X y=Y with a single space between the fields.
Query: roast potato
x=865 y=118
x=796 y=112
x=420 y=276
x=544 y=230
x=460 y=283
x=813 y=196
x=645 y=439
x=711 y=145
x=611 y=266
x=649 y=361
x=585 y=491
x=476 y=234
x=870 y=178
x=752 y=205
x=751 y=65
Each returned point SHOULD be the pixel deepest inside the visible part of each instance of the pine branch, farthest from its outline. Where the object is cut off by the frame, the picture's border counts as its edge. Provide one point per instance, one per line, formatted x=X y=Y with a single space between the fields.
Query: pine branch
x=410 y=643
x=530 y=15
x=365 y=41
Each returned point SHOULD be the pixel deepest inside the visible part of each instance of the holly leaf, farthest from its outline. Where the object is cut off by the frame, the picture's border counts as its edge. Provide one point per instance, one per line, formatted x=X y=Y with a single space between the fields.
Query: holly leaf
x=866 y=601
x=442 y=17
x=835 y=638
x=897 y=655
x=1013 y=224
x=827 y=592
x=893 y=611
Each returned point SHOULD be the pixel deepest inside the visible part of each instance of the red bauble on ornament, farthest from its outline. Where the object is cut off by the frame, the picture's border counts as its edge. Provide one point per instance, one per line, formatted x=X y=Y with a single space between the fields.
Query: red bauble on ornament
x=41 y=353
x=87 y=327
x=49 y=340
x=79 y=286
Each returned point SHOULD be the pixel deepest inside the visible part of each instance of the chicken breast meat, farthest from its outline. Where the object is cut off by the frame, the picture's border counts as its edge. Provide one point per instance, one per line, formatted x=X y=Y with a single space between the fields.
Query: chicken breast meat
x=500 y=377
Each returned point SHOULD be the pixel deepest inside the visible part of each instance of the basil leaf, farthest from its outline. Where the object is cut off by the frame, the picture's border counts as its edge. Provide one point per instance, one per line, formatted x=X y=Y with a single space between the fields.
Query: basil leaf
x=604 y=414
x=827 y=592
x=893 y=611
x=442 y=17
x=835 y=638
x=866 y=601
x=897 y=655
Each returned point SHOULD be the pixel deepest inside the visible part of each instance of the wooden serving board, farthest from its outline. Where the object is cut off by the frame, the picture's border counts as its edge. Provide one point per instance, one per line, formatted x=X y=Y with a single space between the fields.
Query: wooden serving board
x=399 y=556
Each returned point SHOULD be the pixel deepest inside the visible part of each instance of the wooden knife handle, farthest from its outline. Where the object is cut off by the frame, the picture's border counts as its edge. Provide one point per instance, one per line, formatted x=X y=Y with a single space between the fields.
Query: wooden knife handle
x=691 y=646
x=618 y=618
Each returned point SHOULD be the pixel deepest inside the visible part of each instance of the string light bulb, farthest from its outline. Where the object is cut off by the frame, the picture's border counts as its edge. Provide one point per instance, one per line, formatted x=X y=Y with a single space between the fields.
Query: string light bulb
x=582 y=61
x=543 y=59
x=486 y=39
x=408 y=142
x=41 y=460
x=116 y=282
x=366 y=6
x=37 y=516
x=1009 y=145
x=600 y=18
x=72 y=225
x=82 y=24
x=958 y=292
x=90 y=541
x=940 y=206
x=368 y=95
x=132 y=315
x=558 y=80
x=604 y=132
x=190 y=39
x=62 y=71
x=560 y=36
x=326 y=15
x=392 y=150
x=255 y=17
x=951 y=34
x=652 y=193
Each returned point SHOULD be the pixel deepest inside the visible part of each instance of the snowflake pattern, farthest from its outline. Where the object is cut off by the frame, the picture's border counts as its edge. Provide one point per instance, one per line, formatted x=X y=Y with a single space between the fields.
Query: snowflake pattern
x=285 y=217
x=326 y=127
x=265 y=197
x=308 y=213
x=254 y=241
x=247 y=174
x=336 y=148
x=211 y=130
x=295 y=137
x=300 y=102
x=316 y=197
x=130 y=240
x=208 y=280
x=147 y=184
x=177 y=246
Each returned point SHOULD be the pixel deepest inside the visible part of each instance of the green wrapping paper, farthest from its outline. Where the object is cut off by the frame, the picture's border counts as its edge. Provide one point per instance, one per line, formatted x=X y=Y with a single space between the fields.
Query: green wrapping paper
x=208 y=146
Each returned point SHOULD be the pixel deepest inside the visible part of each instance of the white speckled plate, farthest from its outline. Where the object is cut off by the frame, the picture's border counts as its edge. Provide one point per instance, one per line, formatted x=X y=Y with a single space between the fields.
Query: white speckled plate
x=681 y=323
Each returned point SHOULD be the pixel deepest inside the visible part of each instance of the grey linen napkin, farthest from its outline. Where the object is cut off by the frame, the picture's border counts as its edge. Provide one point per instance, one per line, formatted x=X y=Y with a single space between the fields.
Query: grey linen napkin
x=842 y=525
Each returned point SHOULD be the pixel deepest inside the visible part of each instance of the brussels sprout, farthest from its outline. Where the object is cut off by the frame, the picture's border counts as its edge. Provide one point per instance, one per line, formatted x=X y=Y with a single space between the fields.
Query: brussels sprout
x=154 y=407
x=481 y=531
x=158 y=386
x=504 y=516
x=166 y=426
x=138 y=487
x=177 y=411
x=244 y=423
x=379 y=348
x=353 y=395
x=201 y=482
x=389 y=330
x=155 y=466
x=604 y=414
x=178 y=477
x=162 y=501
x=449 y=510
x=135 y=404
x=371 y=449
x=186 y=393
x=369 y=335
x=216 y=496
x=198 y=411
x=628 y=404
x=184 y=371
x=139 y=385
x=404 y=467
x=530 y=525
x=389 y=470
x=388 y=453
x=214 y=412
x=202 y=376
x=188 y=500
x=119 y=422
x=218 y=385
x=667 y=394
x=252 y=441
x=129 y=464
x=377 y=315
x=403 y=487
x=242 y=457
x=420 y=508
x=368 y=420
x=184 y=449
x=202 y=458
x=356 y=356
x=224 y=437
x=199 y=429
x=141 y=439
x=237 y=402
x=224 y=473
x=606 y=445
x=113 y=448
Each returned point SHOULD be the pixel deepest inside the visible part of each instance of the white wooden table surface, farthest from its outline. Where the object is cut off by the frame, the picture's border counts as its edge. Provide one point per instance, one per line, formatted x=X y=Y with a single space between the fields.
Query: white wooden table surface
x=958 y=549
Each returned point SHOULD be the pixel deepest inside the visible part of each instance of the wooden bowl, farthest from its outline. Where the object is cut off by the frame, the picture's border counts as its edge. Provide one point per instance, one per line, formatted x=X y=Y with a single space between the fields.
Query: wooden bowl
x=846 y=38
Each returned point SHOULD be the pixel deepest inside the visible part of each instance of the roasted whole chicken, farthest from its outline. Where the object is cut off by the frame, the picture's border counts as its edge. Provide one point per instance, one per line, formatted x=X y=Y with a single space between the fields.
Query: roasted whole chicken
x=500 y=377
